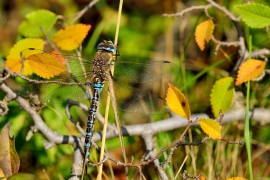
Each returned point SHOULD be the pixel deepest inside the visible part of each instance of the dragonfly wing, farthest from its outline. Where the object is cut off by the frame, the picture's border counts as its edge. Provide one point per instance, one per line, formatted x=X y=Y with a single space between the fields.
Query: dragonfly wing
x=55 y=93
x=60 y=93
x=141 y=87
x=139 y=99
x=136 y=72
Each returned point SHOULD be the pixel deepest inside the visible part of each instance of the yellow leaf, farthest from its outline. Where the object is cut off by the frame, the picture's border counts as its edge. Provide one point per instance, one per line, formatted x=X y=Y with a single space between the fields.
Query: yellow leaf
x=13 y=61
x=236 y=178
x=177 y=102
x=211 y=128
x=204 y=33
x=202 y=177
x=9 y=158
x=58 y=56
x=2 y=175
x=249 y=70
x=71 y=37
x=46 y=65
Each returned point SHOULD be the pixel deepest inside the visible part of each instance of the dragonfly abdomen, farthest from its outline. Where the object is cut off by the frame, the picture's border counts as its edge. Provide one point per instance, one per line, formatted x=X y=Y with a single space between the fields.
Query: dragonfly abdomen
x=98 y=85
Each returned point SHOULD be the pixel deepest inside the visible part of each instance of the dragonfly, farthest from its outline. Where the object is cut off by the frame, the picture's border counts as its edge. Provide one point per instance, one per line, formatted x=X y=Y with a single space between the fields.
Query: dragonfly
x=86 y=79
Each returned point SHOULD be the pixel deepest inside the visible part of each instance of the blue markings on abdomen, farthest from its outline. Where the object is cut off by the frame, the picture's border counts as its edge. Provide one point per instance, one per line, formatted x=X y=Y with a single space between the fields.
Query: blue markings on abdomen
x=88 y=134
x=99 y=86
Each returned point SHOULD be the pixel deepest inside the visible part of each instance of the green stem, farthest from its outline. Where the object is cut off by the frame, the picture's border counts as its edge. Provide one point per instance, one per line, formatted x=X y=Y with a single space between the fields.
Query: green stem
x=247 y=129
x=247 y=133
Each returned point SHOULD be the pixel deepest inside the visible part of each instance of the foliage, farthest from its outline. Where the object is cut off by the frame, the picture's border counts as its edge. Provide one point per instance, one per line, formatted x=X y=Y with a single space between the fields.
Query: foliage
x=211 y=128
x=236 y=178
x=9 y=159
x=31 y=26
x=179 y=105
x=254 y=15
x=222 y=95
x=204 y=78
x=249 y=70
x=71 y=37
x=13 y=60
x=204 y=33
x=177 y=102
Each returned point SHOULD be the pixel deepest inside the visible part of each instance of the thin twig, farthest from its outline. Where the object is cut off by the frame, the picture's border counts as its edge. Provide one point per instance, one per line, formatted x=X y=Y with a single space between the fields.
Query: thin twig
x=232 y=142
x=80 y=13
x=170 y=146
x=181 y=13
x=71 y=103
x=44 y=82
x=258 y=53
x=221 y=43
x=4 y=75
x=148 y=141
x=48 y=40
x=224 y=10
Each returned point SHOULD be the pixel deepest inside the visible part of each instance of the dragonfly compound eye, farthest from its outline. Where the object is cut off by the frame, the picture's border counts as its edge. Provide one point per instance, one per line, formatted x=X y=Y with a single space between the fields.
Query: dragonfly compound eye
x=107 y=46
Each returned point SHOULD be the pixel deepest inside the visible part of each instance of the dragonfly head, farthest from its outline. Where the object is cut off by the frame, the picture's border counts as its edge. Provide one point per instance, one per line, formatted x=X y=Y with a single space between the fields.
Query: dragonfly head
x=107 y=46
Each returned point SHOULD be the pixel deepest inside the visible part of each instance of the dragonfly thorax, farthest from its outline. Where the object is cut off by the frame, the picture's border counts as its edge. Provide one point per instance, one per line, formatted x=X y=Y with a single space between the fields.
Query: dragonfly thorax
x=102 y=64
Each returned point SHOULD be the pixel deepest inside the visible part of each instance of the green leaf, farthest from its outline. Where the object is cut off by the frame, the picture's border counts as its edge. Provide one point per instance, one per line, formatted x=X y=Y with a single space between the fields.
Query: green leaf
x=222 y=95
x=30 y=27
x=22 y=176
x=254 y=15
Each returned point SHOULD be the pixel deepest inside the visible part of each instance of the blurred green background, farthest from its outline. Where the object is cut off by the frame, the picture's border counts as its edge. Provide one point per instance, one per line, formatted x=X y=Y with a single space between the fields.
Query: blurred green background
x=145 y=33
